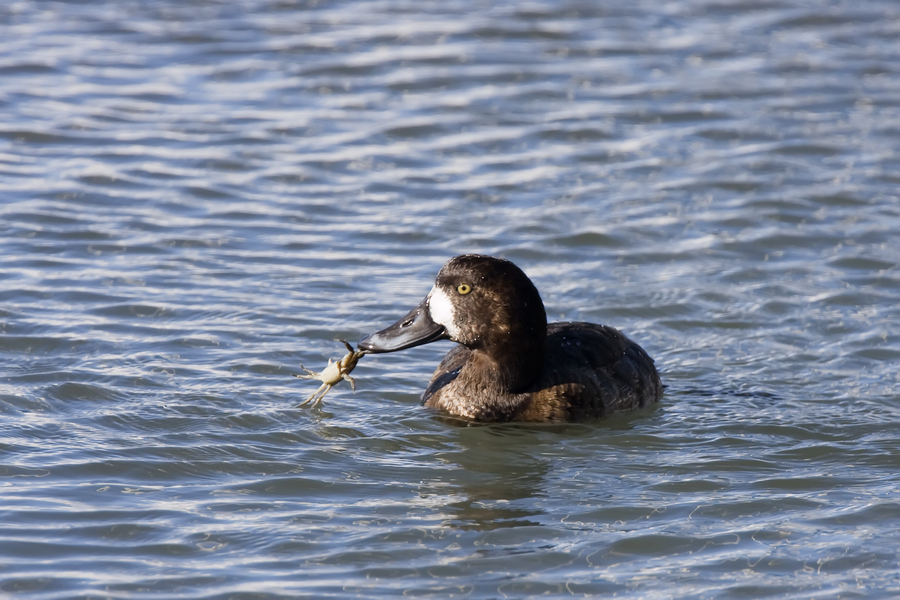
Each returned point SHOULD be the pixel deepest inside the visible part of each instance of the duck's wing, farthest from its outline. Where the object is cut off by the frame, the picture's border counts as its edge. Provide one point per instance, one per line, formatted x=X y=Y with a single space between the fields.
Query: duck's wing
x=614 y=373
x=446 y=371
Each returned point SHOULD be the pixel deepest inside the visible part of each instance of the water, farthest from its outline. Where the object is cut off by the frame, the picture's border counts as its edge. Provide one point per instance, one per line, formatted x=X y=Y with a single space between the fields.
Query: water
x=197 y=197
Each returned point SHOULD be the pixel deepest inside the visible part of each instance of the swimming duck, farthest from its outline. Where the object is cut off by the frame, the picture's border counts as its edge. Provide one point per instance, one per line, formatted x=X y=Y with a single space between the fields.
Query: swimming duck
x=510 y=365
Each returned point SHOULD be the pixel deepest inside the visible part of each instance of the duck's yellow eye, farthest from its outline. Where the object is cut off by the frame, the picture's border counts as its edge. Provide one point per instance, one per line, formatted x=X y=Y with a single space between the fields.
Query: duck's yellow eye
x=464 y=288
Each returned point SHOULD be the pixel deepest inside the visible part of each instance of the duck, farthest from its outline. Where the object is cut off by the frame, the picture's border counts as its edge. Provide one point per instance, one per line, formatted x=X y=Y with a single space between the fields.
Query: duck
x=509 y=364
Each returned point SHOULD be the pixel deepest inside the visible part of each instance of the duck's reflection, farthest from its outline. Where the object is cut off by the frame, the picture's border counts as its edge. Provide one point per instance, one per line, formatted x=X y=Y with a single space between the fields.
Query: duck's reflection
x=495 y=472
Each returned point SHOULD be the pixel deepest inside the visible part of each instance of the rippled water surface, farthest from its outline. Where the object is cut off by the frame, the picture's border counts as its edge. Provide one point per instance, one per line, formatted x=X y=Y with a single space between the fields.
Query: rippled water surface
x=197 y=197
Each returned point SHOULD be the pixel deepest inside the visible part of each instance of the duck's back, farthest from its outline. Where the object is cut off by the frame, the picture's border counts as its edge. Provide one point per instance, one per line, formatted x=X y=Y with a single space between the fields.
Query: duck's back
x=599 y=369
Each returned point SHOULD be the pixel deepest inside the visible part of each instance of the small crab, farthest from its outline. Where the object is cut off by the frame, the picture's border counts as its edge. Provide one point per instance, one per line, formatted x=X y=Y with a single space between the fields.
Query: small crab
x=332 y=374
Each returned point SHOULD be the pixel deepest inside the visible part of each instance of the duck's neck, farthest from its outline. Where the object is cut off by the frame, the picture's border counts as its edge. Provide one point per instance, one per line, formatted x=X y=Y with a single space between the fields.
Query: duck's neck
x=509 y=366
x=517 y=365
x=514 y=353
x=484 y=390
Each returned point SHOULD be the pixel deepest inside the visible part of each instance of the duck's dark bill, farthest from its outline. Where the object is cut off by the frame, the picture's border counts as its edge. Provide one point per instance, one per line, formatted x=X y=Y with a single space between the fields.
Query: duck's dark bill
x=415 y=329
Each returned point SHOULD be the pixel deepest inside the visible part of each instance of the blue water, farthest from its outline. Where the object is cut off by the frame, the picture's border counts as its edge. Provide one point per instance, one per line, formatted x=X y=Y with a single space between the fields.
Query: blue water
x=195 y=198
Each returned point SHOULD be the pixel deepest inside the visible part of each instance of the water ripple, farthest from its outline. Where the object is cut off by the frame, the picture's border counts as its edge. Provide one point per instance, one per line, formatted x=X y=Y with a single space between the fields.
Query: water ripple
x=196 y=198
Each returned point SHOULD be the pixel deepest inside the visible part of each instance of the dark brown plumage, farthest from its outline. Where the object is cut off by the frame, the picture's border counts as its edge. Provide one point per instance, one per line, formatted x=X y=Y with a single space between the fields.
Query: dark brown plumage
x=512 y=366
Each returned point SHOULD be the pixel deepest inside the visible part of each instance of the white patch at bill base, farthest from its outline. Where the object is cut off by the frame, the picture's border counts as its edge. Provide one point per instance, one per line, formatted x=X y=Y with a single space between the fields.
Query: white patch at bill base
x=440 y=307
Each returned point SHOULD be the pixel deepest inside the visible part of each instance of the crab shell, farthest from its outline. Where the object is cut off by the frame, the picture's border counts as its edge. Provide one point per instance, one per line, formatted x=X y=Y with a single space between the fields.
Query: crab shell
x=333 y=373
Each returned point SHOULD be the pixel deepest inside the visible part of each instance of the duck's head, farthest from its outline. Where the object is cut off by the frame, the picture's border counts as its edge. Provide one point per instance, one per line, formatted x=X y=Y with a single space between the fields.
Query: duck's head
x=482 y=302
